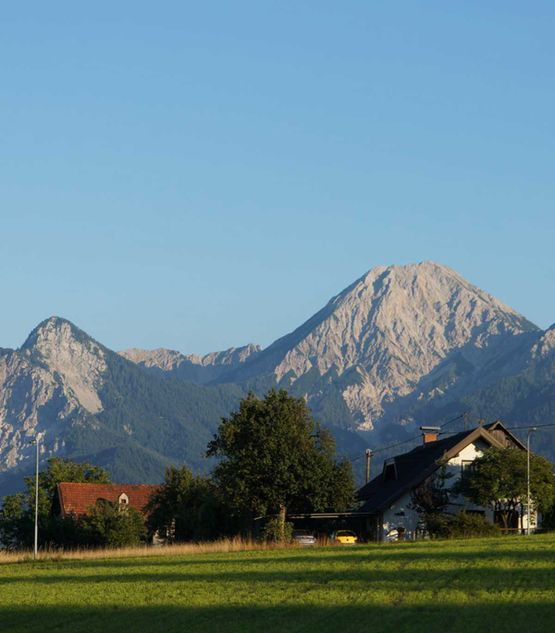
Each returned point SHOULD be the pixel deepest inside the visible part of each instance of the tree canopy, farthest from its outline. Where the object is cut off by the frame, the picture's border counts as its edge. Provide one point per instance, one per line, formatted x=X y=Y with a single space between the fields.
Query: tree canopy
x=187 y=507
x=499 y=479
x=274 y=457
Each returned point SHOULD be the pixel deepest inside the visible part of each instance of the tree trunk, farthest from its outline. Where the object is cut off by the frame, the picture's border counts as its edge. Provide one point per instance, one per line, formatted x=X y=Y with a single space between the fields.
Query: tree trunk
x=281 y=516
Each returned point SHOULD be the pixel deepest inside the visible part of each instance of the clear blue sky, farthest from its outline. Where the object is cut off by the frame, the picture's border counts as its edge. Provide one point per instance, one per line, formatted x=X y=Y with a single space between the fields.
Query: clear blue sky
x=197 y=175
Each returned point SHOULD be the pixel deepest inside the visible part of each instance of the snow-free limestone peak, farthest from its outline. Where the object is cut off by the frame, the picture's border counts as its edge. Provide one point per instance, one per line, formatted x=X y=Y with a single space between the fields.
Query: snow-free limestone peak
x=385 y=333
x=77 y=358
x=192 y=367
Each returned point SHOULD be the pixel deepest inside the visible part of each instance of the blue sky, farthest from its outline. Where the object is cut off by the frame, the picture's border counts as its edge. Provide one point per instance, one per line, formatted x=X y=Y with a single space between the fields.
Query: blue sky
x=201 y=175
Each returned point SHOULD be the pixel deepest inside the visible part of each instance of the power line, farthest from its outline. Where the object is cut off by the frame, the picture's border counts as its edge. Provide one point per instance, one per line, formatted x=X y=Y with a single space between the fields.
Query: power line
x=458 y=417
x=382 y=449
x=386 y=448
x=407 y=441
x=531 y=426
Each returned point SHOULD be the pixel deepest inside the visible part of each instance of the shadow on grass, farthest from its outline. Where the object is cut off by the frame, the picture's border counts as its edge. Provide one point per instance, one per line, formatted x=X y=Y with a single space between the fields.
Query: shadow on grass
x=465 y=579
x=426 y=618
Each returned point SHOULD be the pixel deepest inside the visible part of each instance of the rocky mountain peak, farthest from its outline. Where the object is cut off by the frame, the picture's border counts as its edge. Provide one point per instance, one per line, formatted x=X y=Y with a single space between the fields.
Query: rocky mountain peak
x=192 y=367
x=393 y=326
x=401 y=346
x=427 y=288
x=50 y=333
x=77 y=358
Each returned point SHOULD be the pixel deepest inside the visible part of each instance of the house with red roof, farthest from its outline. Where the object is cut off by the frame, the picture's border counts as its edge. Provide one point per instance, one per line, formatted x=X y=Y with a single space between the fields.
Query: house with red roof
x=75 y=499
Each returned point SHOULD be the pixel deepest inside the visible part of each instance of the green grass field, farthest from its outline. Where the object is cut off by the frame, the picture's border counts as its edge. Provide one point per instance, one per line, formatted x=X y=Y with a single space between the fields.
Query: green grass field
x=494 y=585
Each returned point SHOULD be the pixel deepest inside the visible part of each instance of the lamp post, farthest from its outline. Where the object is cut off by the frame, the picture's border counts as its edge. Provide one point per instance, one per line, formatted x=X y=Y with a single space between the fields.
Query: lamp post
x=36 y=441
x=528 y=515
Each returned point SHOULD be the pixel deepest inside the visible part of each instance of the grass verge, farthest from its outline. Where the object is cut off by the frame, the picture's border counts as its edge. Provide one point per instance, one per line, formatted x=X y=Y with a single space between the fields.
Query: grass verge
x=505 y=584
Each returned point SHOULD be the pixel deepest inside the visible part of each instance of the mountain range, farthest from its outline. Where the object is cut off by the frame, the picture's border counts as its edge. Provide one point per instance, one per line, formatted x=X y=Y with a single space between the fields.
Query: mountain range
x=400 y=347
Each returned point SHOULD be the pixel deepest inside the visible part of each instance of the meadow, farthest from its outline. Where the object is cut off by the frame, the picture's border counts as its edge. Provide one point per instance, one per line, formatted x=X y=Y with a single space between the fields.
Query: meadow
x=502 y=584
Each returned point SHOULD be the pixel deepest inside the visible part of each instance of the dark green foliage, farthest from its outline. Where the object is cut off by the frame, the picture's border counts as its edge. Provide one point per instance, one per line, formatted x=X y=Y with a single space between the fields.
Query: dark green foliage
x=499 y=479
x=59 y=470
x=16 y=522
x=432 y=496
x=107 y=524
x=188 y=508
x=174 y=419
x=132 y=463
x=430 y=499
x=463 y=525
x=548 y=519
x=275 y=457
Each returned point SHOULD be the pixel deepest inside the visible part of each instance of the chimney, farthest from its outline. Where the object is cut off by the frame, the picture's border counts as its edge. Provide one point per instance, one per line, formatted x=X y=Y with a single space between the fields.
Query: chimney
x=430 y=433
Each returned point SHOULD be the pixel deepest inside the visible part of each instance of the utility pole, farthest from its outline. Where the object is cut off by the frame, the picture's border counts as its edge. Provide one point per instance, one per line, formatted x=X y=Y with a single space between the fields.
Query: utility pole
x=36 y=441
x=368 y=464
x=528 y=515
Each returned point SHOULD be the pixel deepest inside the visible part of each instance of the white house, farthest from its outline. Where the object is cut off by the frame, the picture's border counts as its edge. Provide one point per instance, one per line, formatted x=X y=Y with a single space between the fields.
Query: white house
x=387 y=500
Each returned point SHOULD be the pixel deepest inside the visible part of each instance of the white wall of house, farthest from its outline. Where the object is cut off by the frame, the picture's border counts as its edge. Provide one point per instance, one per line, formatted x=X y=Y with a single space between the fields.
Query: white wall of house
x=455 y=467
x=401 y=515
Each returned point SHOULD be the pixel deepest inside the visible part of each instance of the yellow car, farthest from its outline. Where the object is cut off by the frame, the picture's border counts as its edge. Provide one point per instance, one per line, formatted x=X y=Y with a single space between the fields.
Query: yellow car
x=345 y=537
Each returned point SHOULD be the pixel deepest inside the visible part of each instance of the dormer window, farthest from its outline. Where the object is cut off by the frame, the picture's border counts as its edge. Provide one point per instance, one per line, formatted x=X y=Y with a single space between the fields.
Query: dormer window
x=389 y=470
x=123 y=500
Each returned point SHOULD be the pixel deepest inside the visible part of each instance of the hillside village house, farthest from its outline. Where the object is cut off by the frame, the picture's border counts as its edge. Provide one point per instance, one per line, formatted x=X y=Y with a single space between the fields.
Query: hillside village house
x=386 y=501
x=75 y=499
x=386 y=508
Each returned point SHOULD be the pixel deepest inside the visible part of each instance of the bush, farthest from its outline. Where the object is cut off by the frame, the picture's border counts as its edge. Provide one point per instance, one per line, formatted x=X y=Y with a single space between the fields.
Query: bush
x=548 y=520
x=106 y=525
x=272 y=531
x=459 y=526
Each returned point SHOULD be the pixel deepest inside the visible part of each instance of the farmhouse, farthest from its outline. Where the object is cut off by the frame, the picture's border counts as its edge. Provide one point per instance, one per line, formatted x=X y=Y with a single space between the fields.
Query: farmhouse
x=387 y=500
x=75 y=499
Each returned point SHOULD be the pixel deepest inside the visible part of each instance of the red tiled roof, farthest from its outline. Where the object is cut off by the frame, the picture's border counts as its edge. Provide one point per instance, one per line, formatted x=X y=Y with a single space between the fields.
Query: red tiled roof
x=76 y=499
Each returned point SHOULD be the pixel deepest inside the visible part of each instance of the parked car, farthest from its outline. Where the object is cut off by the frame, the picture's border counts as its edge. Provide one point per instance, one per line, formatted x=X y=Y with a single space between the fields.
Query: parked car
x=303 y=537
x=344 y=537
x=392 y=535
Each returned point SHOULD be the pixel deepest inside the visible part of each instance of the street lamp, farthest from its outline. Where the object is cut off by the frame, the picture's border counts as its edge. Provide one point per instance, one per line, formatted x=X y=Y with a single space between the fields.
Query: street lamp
x=36 y=441
x=528 y=515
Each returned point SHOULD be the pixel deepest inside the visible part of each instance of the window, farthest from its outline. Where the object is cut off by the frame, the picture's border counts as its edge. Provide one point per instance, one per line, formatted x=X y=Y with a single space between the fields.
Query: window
x=480 y=513
x=389 y=470
x=467 y=464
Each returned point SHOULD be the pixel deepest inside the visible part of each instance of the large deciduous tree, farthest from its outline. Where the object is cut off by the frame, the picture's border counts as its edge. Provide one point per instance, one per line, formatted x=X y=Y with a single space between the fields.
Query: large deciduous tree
x=499 y=479
x=275 y=459
x=187 y=508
